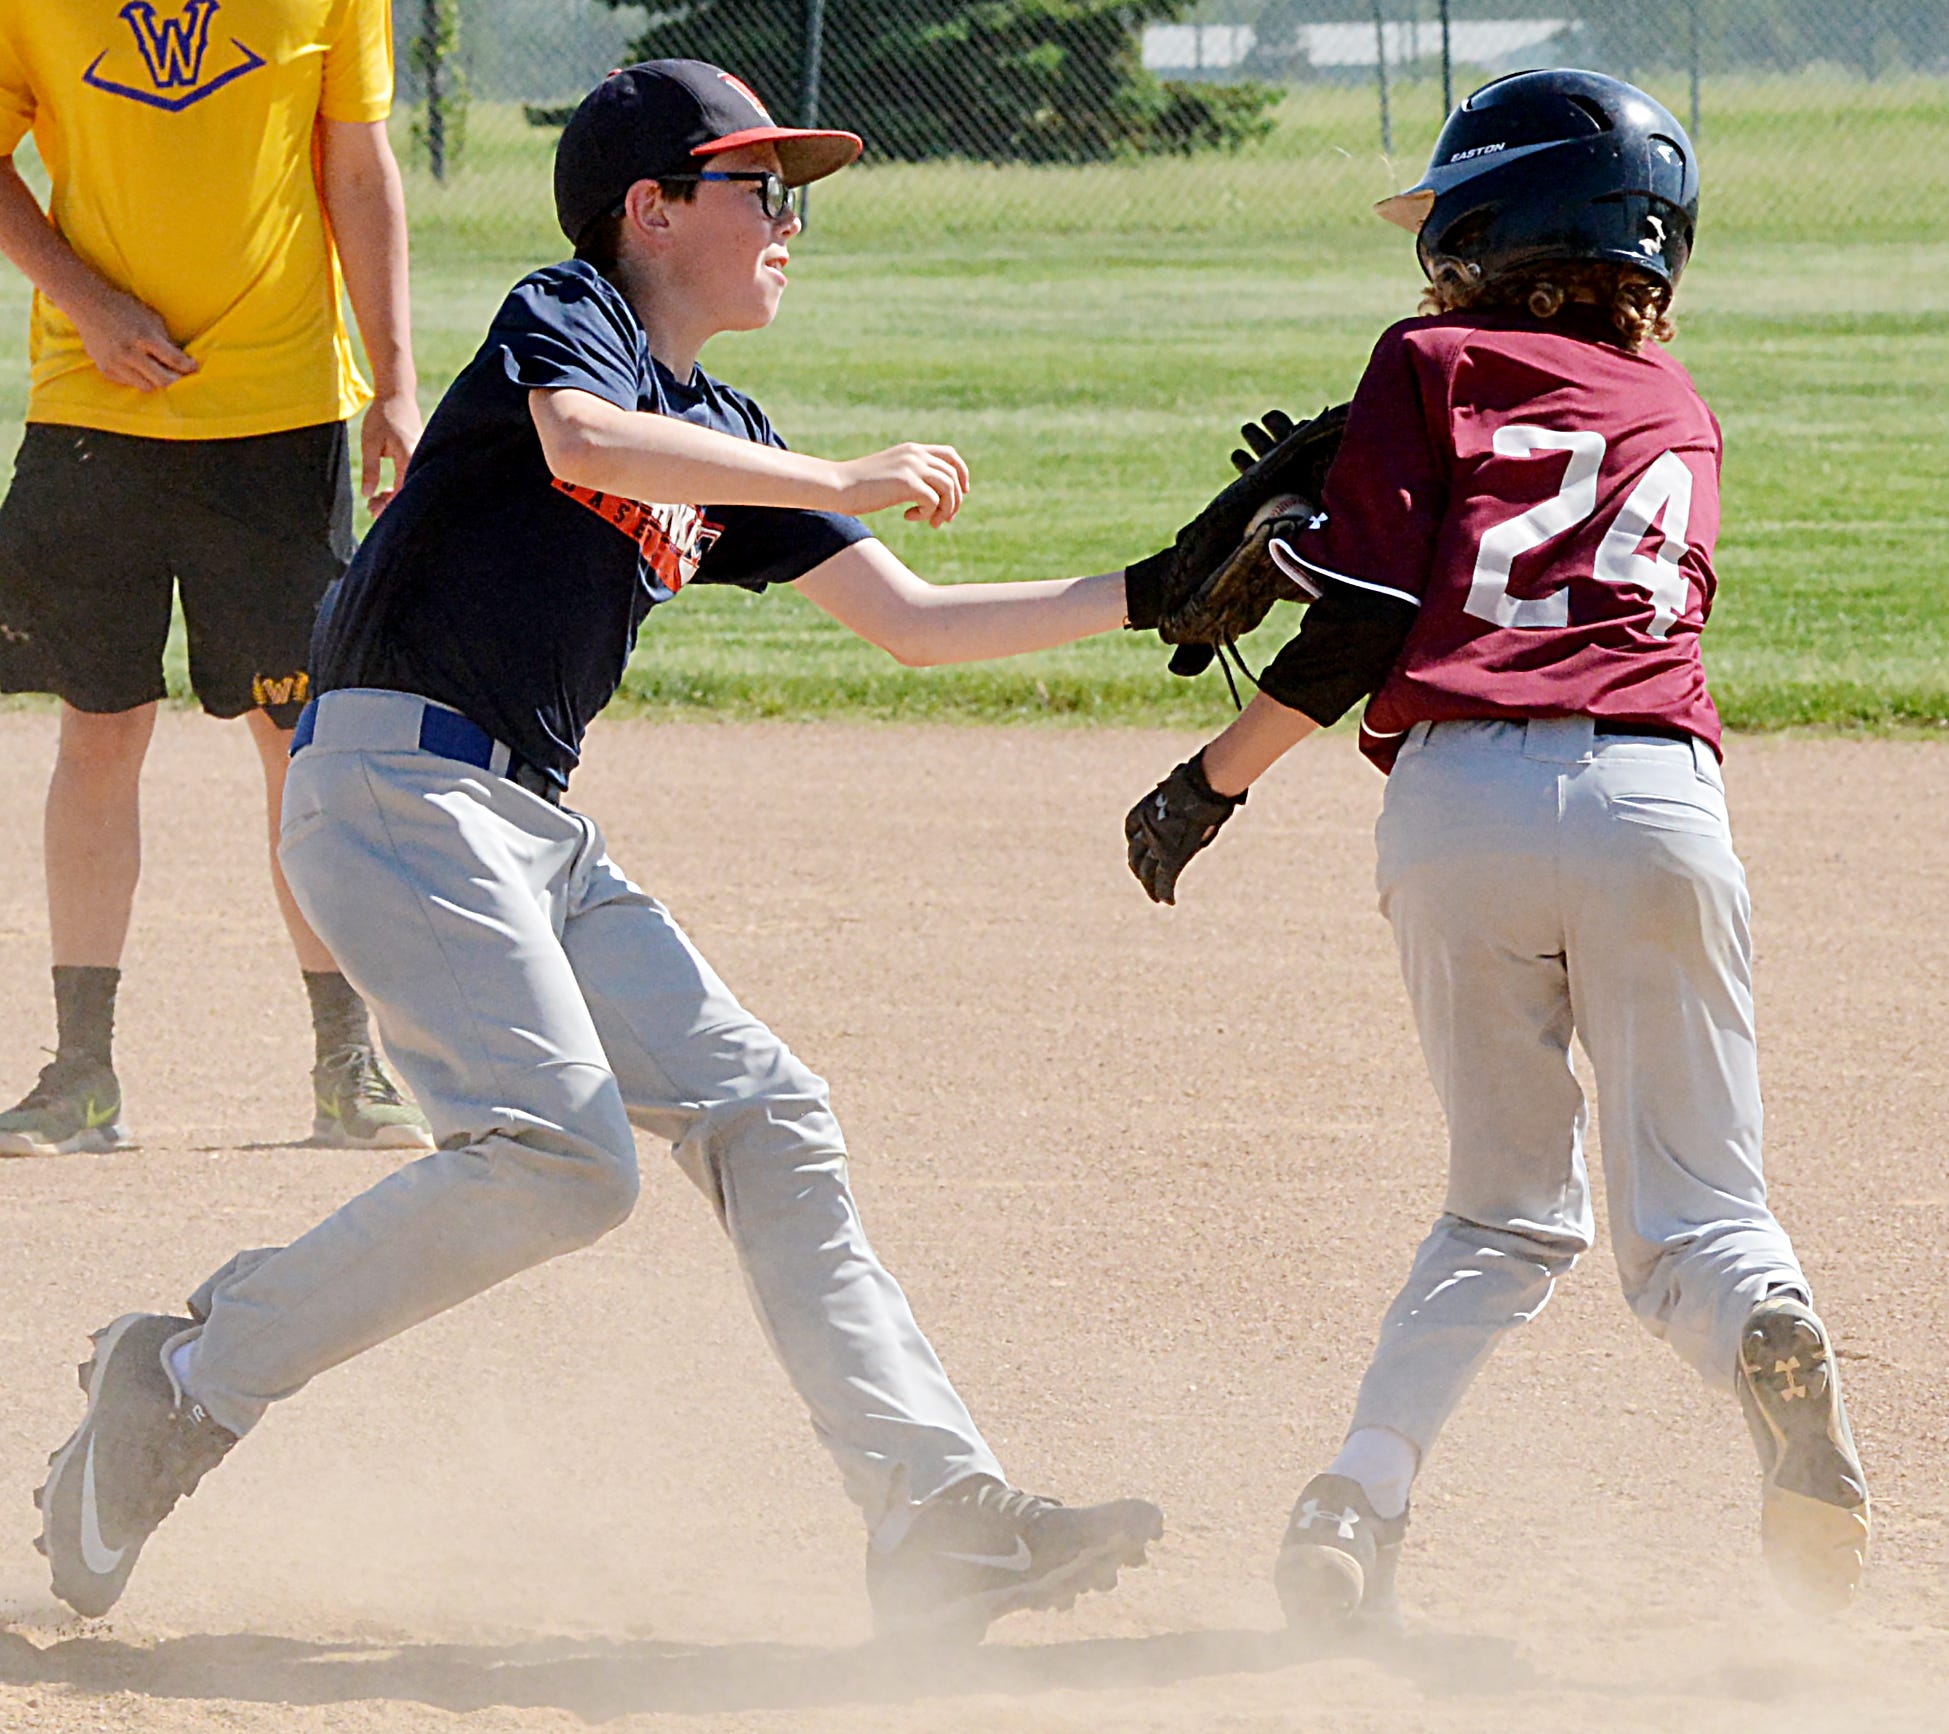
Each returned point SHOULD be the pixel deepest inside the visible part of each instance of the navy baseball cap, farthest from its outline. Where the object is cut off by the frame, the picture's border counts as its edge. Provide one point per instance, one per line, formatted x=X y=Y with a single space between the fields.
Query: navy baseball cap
x=653 y=118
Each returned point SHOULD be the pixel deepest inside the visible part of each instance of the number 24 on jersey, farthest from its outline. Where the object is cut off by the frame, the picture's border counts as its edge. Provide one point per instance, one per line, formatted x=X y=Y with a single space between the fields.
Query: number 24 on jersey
x=1664 y=488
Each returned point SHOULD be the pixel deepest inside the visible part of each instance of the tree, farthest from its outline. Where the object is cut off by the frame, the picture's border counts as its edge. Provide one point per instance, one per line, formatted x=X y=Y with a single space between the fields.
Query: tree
x=1278 y=49
x=1003 y=80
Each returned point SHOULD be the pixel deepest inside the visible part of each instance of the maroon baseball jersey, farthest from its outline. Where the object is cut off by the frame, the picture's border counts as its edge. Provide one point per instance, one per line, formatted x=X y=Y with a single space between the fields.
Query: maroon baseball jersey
x=1550 y=502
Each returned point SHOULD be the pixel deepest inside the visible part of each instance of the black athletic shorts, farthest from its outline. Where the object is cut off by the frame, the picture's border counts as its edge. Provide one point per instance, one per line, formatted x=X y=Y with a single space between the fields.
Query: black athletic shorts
x=98 y=530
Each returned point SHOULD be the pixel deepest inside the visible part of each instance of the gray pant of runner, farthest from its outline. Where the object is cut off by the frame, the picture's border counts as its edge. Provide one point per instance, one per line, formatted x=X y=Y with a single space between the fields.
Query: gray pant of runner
x=1543 y=880
x=536 y=1003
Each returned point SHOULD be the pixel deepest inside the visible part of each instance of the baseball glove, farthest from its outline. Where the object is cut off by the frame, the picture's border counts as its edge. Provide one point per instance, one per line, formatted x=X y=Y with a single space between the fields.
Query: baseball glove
x=1217 y=582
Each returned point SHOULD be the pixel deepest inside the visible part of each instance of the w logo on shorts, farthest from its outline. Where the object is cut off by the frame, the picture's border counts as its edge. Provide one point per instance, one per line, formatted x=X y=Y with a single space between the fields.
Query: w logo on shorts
x=289 y=689
x=172 y=52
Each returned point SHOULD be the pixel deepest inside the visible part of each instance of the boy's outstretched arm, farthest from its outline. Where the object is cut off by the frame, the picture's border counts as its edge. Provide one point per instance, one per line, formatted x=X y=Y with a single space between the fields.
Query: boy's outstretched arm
x=870 y=591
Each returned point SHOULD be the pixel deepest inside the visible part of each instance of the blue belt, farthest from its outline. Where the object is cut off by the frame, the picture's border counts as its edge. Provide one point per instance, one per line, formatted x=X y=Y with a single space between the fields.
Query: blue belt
x=448 y=735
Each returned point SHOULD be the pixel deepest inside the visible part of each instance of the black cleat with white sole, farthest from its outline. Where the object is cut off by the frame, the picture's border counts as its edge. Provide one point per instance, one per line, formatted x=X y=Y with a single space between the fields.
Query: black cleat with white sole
x=980 y=1549
x=141 y=1446
x=1814 y=1515
x=1337 y=1561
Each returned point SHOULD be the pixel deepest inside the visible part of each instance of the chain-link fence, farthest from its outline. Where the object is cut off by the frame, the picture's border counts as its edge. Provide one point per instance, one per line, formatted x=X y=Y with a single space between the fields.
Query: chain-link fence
x=1002 y=121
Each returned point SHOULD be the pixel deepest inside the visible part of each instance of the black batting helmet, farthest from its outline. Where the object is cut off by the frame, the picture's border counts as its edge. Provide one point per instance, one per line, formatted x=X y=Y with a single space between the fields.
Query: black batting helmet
x=1558 y=164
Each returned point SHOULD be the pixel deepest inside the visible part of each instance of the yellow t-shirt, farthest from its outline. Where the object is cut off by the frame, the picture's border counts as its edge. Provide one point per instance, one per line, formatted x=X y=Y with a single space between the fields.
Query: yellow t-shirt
x=179 y=136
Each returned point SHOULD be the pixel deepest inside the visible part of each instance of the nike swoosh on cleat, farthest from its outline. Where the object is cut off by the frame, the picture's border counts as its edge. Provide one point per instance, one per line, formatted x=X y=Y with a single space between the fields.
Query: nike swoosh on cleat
x=94 y=1114
x=96 y=1554
x=1019 y=1560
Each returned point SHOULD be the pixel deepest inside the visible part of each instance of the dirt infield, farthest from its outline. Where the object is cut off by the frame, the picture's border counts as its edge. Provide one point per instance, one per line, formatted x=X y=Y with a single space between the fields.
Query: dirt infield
x=1149 y=1177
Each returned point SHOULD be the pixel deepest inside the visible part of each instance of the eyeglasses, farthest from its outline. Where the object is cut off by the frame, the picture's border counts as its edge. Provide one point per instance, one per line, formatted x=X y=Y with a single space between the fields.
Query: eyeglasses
x=775 y=198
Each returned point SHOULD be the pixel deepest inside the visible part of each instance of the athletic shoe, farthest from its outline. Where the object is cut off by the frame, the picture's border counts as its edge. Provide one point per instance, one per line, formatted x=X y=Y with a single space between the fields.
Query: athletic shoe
x=980 y=1549
x=1814 y=1518
x=141 y=1446
x=1337 y=1561
x=75 y=1106
x=360 y=1108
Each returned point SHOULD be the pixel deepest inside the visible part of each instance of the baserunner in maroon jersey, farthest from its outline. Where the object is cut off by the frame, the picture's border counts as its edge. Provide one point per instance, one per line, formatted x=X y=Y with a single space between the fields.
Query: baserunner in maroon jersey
x=1514 y=559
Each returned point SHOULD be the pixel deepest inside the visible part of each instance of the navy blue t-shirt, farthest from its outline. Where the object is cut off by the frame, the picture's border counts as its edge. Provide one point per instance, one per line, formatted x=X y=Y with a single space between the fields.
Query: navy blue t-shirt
x=515 y=598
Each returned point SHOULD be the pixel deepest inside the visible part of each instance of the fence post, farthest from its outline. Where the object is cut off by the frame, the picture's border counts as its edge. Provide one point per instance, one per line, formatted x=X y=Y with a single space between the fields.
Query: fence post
x=815 y=46
x=431 y=57
x=1694 y=21
x=1448 y=65
x=1380 y=73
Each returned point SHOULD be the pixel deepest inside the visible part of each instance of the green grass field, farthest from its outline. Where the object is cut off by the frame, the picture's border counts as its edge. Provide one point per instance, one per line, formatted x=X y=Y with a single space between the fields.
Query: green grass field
x=1089 y=339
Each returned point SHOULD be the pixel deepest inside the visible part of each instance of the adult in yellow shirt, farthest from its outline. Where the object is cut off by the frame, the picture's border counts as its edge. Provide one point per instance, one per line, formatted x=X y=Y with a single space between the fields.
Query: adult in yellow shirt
x=220 y=176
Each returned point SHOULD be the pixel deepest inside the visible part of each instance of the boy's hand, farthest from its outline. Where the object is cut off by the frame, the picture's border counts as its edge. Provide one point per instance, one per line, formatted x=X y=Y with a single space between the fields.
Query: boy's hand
x=391 y=429
x=1171 y=824
x=930 y=481
x=127 y=340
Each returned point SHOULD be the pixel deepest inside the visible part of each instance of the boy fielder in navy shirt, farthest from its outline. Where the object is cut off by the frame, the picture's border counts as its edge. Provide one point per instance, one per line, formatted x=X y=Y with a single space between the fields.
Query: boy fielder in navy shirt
x=537 y=1001
x=1514 y=557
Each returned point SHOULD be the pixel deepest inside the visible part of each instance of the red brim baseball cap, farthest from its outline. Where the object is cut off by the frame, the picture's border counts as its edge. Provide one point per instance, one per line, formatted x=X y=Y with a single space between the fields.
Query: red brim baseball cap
x=654 y=118
x=804 y=154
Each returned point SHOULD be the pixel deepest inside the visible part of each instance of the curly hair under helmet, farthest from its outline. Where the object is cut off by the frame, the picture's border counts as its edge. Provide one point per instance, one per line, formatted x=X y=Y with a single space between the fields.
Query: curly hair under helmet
x=1639 y=306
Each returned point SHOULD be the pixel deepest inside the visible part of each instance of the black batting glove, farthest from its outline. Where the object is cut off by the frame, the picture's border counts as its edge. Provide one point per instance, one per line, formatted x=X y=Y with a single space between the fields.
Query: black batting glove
x=1143 y=590
x=1143 y=606
x=1261 y=436
x=1171 y=824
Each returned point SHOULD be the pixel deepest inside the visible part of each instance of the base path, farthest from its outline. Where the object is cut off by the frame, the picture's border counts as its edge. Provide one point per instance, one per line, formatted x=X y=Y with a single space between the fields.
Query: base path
x=1150 y=1177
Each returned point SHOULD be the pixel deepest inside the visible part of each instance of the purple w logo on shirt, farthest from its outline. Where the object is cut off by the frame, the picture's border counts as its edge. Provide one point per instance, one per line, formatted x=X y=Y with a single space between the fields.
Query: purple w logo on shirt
x=172 y=51
x=172 y=48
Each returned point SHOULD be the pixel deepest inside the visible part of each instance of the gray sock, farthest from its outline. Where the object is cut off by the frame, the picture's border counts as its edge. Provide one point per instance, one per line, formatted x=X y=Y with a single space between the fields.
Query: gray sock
x=338 y=1017
x=84 y=1011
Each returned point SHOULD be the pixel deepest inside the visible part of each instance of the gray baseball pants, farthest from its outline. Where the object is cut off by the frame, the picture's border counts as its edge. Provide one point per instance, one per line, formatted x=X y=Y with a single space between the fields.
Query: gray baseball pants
x=536 y=1003
x=1543 y=880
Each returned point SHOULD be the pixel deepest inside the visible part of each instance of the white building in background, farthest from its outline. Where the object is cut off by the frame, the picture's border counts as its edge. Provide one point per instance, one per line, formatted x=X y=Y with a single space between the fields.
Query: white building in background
x=1197 y=47
x=1493 y=44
